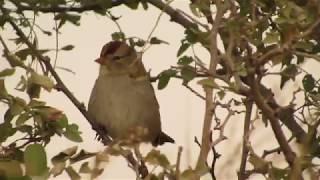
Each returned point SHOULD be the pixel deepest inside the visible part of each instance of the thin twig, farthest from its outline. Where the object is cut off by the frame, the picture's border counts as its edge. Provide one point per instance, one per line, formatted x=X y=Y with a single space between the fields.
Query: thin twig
x=178 y=163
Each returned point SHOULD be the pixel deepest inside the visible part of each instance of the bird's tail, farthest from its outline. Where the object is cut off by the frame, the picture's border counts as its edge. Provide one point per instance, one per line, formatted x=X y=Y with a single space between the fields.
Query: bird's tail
x=162 y=138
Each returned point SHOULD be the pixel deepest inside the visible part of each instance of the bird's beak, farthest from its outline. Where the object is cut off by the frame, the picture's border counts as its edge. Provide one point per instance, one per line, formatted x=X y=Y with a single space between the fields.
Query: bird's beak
x=99 y=60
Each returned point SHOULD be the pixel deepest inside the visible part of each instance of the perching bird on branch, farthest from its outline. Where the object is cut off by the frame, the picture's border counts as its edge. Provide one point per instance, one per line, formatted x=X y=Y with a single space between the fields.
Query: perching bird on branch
x=123 y=102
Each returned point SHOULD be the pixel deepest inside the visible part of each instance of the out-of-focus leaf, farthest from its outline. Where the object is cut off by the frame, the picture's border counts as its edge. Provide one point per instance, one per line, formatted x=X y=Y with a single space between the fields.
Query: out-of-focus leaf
x=308 y=82
x=17 y=106
x=36 y=103
x=3 y=90
x=132 y=4
x=188 y=73
x=208 y=83
x=7 y=72
x=278 y=173
x=48 y=113
x=22 y=119
x=58 y=168
x=14 y=60
x=155 y=40
x=221 y=94
x=258 y=163
x=165 y=78
x=43 y=81
x=154 y=157
x=289 y=72
x=118 y=36
x=184 y=46
x=67 y=47
x=96 y=172
x=189 y=174
x=64 y=155
x=6 y=130
x=65 y=17
x=185 y=60
x=24 y=53
x=72 y=133
x=84 y=168
x=304 y=46
x=81 y=156
x=33 y=90
x=10 y=168
x=72 y=173
x=35 y=160
x=272 y=37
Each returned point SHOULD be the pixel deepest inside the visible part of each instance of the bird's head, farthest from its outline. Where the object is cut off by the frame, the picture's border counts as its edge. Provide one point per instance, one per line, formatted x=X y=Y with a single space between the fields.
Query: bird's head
x=117 y=57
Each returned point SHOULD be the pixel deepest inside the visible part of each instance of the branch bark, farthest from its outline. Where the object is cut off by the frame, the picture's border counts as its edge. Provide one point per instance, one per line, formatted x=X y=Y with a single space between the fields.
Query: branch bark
x=242 y=172
x=274 y=121
x=210 y=106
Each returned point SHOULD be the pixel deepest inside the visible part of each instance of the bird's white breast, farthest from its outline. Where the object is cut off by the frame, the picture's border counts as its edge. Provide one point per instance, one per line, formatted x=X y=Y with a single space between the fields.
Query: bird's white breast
x=120 y=103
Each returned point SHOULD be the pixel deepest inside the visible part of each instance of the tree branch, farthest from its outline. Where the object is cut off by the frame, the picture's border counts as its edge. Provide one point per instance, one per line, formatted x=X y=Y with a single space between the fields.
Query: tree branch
x=175 y=15
x=78 y=9
x=210 y=106
x=272 y=116
x=246 y=128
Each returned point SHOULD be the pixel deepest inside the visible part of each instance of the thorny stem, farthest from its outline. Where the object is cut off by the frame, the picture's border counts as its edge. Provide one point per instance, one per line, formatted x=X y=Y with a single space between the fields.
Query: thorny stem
x=214 y=59
x=246 y=128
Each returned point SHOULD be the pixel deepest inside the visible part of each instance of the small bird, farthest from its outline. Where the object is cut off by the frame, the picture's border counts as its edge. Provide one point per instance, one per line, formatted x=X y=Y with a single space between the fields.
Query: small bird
x=123 y=102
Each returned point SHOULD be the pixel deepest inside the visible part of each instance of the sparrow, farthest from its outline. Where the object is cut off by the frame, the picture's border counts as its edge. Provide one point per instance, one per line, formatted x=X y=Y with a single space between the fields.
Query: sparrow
x=123 y=101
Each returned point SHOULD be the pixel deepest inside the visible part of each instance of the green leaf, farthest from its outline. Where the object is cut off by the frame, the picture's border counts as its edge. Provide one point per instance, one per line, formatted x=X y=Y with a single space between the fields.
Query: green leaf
x=184 y=46
x=67 y=47
x=308 y=82
x=43 y=81
x=3 y=90
x=165 y=78
x=58 y=168
x=155 y=40
x=14 y=60
x=17 y=106
x=72 y=133
x=272 y=37
x=189 y=174
x=304 y=46
x=84 y=168
x=188 y=73
x=81 y=156
x=208 y=83
x=72 y=173
x=7 y=72
x=10 y=168
x=221 y=94
x=64 y=155
x=22 y=119
x=185 y=60
x=258 y=163
x=6 y=130
x=289 y=72
x=35 y=160
x=118 y=36
x=65 y=17
x=33 y=90
x=154 y=157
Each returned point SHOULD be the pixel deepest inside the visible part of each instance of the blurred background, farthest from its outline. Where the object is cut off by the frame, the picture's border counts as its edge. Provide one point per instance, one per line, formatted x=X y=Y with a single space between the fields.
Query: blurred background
x=182 y=112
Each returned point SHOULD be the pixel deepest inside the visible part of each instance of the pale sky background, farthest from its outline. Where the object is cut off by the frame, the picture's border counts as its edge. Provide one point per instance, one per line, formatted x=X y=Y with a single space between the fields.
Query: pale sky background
x=181 y=111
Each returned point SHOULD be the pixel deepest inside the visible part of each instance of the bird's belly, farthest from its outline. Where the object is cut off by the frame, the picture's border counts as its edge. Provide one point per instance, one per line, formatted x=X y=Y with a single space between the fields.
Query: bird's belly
x=130 y=109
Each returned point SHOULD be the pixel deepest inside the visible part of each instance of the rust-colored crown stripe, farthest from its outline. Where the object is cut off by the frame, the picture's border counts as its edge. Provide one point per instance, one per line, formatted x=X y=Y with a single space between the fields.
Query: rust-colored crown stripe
x=110 y=48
